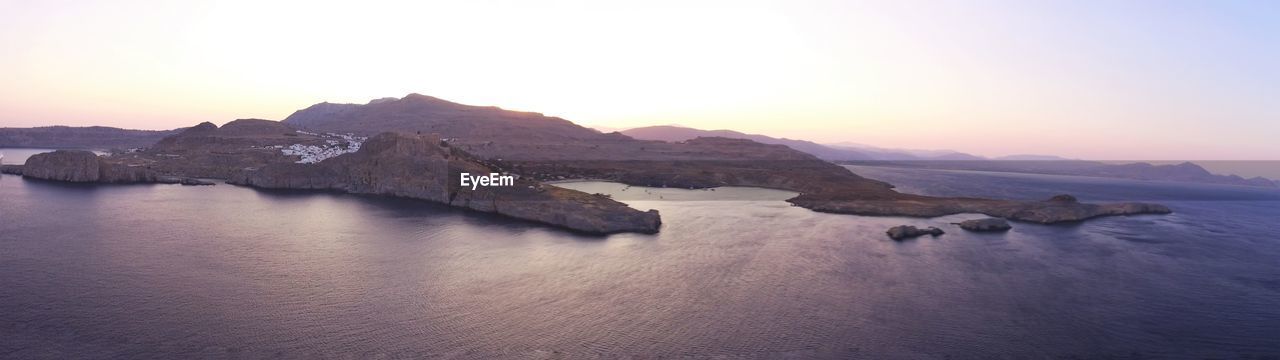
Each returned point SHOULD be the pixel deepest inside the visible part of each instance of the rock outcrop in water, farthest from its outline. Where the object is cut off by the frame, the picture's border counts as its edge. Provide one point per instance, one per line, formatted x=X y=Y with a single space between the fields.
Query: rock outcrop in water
x=82 y=166
x=985 y=225
x=1044 y=212
x=64 y=165
x=903 y=232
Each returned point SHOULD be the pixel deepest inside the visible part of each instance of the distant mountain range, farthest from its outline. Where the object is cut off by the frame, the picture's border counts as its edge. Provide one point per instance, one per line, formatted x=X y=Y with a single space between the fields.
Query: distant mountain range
x=671 y=133
x=1182 y=172
x=879 y=153
x=843 y=151
x=92 y=137
x=953 y=160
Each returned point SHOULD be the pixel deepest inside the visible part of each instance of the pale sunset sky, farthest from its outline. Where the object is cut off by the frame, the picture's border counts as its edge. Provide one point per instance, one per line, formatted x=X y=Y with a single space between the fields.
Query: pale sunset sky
x=1148 y=80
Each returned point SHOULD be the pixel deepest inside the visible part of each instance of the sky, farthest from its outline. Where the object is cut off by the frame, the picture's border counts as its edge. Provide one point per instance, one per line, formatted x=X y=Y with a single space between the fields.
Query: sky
x=1106 y=80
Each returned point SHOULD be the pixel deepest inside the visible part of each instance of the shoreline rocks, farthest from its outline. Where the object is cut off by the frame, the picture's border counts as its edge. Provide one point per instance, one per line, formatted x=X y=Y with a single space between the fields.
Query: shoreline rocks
x=11 y=169
x=985 y=225
x=903 y=232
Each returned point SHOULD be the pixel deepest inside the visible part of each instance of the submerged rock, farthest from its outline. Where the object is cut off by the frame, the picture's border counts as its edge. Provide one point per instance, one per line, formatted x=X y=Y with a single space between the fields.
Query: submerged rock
x=902 y=232
x=195 y=182
x=985 y=225
x=1064 y=198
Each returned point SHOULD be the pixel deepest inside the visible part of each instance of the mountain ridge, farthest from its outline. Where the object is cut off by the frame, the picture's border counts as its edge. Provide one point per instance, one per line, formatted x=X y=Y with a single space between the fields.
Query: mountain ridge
x=80 y=137
x=954 y=160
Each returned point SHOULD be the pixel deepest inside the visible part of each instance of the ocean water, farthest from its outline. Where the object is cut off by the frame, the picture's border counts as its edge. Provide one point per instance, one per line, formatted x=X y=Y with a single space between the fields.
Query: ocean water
x=165 y=271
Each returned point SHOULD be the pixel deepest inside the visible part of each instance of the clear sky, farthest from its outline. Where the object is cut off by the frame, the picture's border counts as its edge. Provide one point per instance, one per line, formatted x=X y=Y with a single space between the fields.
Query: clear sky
x=1144 y=80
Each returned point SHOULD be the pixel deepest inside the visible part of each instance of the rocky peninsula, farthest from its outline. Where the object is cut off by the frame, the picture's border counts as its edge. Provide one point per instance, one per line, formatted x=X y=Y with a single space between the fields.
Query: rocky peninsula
x=417 y=146
x=254 y=153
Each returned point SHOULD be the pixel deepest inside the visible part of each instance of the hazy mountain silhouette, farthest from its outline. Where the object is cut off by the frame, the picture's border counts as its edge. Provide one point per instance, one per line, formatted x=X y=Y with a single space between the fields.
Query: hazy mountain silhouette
x=670 y=133
x=832 y=152
x=954 y=160
x=1030 y=157
x=427 y=114
x=1183 y=172
x=880 y=153
x=91 y=137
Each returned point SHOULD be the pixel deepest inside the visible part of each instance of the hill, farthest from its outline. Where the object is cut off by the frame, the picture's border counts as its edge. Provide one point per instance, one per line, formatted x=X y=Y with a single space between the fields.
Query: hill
x=833 y=152
x=954 y=160
x=669 y=133
x=426 y=114
x=92 y=137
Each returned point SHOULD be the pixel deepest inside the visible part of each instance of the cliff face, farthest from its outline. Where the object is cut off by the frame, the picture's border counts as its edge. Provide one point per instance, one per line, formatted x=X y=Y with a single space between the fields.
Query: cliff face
x=423 y=167
x=64 y=165
x=82 y=166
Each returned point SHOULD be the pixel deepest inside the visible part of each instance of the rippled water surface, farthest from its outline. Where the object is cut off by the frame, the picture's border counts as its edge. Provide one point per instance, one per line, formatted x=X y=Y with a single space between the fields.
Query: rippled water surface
x=146 y=271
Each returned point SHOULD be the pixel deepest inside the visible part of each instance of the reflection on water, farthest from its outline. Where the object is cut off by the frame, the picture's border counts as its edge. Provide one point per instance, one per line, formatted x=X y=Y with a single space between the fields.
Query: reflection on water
x=166 y=271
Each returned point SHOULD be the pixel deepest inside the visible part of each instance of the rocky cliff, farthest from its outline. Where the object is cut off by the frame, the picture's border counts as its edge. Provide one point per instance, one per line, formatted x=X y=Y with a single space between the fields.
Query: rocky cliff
x=82 y=166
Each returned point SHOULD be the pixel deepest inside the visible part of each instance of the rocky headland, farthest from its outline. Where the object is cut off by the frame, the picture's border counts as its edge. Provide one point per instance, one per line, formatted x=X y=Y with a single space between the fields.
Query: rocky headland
x=424 y=167
x=418 y=145
x=260 y=153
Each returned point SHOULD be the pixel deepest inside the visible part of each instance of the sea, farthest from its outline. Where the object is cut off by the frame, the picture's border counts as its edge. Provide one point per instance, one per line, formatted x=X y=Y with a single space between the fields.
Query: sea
x=169 y=271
